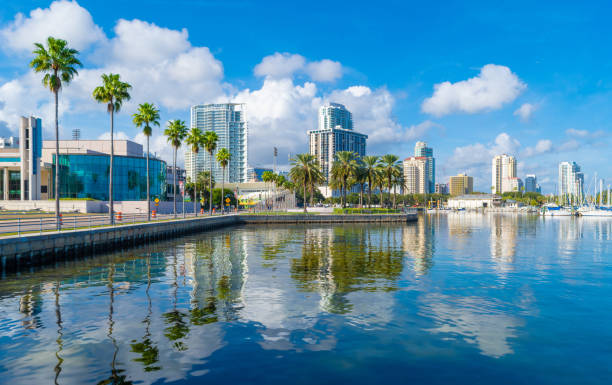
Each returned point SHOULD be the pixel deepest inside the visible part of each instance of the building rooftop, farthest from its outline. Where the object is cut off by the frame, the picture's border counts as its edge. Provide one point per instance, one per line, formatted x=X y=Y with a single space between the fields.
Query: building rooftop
x=476 y=197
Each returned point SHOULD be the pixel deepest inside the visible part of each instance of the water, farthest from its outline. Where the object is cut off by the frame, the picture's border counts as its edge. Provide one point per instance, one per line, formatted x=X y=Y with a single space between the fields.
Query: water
x=455 y=298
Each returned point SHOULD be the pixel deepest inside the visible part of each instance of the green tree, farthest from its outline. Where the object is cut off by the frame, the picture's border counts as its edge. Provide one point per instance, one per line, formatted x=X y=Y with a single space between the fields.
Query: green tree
x=305 y=171
x=268 y=177
x=389 y=165
x=147 y=116
x=343 y=169
x=223 y=157
x=59 y=64
x=194 y=141
x=209 y=142
x=369 y=166
x=176 y=133
x=113 y=92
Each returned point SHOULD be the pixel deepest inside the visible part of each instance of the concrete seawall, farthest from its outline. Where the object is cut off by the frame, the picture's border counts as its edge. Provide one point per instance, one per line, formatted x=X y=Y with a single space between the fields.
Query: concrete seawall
x=35 y=250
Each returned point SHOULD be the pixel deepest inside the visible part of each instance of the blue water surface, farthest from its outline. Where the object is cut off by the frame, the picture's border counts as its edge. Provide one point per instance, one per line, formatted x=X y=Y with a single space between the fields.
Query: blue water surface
x=456 y=298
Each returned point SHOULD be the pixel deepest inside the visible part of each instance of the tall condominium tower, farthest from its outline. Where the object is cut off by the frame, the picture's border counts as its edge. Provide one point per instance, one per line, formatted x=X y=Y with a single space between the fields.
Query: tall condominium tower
x=229 y=121
x=571 y=180
x=421 y=150
x=503 y=172
x=416 y=175
x=335 y=133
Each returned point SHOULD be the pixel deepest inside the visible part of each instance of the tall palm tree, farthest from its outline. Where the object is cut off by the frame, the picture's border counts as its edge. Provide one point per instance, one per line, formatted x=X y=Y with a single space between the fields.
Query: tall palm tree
x=343 y=169
x=209 y=142
x=268 y=177
x=369 y=166
x=113 y=92
x=389 y=164
x=305 y=171
x=361 y=178
x=398 y=181
x=147 y=116
x=176 y=132
x=223 y=157
x=379 y=181
x=58 y=63
x=194 y=141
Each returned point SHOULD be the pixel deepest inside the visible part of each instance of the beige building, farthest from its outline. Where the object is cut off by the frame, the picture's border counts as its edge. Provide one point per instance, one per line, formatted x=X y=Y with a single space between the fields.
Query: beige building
x=461 y=184
x=503 y=174
x=416 y=175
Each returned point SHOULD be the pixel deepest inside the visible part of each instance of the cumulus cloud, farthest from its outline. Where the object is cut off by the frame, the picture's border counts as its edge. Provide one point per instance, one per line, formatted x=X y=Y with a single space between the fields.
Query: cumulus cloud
x=280 y=65
x=324 y=71
x=63 y=19
x=494 y=86
x=575 y=132
x=286 y=65
x=524 y=111
x=542 y=146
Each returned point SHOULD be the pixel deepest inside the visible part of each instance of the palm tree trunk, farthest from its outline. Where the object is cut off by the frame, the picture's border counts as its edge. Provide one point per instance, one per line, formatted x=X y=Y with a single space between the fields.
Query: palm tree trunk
x=304 y=195
x=381 y=194
x=194 y=199
x=223 y=192
x=148 y=185
x=394 y=197
x=369 y=192
x=210 y=184
x=361 y=196
x=174 y=181
x=110 y=187
x=57 y=167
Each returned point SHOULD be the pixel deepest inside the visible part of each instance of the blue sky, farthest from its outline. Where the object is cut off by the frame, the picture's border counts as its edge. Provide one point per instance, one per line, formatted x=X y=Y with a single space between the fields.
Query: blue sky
x=533 y=79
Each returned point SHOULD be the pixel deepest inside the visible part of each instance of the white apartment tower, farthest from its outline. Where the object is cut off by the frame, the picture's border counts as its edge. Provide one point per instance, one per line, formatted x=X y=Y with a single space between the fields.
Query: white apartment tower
x=503 y=173
x=229 y=121
x=416 y=175
x=421 y=150
x=571 y=180
x=335 y=133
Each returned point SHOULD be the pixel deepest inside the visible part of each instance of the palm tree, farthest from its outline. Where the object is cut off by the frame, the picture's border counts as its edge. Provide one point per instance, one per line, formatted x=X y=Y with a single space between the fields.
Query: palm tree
x=194 y=140
x=389 y=164
x=58 y=63
x=398 y=180
x=113 y=92
x=223 y=157
x=369 y=167
x=344 y=167
x=268 y=177
x=361 y=178
x=379 y=181
x=176 y=132
x=305 y=171
x=147 y=116
x=209 y=142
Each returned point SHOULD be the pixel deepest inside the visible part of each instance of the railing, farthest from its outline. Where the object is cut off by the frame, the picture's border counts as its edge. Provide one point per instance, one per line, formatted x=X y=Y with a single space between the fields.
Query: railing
x=27 y=226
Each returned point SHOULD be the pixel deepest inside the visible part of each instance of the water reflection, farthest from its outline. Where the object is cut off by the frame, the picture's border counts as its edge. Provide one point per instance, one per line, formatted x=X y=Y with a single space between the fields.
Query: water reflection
x=177 y=310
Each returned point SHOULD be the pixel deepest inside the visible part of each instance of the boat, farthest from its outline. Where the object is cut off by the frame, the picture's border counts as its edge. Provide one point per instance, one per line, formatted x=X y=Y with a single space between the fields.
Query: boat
x=595 y=211
x=553 y=210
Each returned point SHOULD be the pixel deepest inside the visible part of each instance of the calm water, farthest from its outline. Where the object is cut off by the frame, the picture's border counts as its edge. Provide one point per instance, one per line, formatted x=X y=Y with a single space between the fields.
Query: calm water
x=457 y=298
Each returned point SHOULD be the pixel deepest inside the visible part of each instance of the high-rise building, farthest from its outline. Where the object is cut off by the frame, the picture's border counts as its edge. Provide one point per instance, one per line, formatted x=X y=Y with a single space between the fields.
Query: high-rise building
x=571 y=180
x=441 y=188
x=229 y=121
x=503 y=171
x=416 y=172
x=335 y=133
x=531 y=183
x=461 y=184
x=421 y=150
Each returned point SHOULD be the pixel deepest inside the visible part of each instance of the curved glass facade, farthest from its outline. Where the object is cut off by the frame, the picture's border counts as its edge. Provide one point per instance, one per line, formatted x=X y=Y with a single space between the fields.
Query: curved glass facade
x=87 y=176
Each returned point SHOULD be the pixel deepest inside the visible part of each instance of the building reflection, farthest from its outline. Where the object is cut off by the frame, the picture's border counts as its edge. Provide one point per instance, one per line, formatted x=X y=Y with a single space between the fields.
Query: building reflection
x=418 y=241
x=504 y=229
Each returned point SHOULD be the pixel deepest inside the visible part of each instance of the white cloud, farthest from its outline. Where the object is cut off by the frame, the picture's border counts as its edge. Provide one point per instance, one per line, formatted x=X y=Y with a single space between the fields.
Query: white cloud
x=280 y=65
x=324 y=71
x=569 y=145
x=542 y=146
x=575 y=132
x=63 y=19
x=524 y=111
x=286 y=65
x=494 y=86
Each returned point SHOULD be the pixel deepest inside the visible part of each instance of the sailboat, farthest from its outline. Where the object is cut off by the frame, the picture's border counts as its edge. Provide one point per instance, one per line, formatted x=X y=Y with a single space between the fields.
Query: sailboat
x=597 y=209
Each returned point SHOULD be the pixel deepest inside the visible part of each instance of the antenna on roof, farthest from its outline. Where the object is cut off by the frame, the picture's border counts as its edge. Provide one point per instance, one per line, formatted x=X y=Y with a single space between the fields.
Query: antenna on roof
x=76 y=134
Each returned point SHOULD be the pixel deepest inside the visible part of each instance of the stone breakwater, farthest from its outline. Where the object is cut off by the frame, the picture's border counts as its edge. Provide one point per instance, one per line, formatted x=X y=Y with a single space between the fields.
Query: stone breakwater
x=36 y=250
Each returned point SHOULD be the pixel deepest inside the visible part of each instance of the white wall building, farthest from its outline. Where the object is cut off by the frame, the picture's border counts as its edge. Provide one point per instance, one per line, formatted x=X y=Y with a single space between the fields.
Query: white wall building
x=474 y=201
x=571 y=180
x=416 y=175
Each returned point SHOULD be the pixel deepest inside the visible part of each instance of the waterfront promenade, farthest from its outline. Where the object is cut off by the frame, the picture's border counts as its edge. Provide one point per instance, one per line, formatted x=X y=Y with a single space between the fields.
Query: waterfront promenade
x=38 y=248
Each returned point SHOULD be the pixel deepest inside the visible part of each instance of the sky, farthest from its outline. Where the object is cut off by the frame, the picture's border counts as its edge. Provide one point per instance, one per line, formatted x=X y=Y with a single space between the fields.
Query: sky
x=472 y=79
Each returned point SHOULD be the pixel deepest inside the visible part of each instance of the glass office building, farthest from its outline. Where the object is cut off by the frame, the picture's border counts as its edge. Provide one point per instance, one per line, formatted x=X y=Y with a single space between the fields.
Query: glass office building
x=87 y=176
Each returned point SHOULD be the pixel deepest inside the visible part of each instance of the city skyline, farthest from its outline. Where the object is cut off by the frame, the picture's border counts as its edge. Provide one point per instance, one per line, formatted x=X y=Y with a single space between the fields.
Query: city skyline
x=539 y=105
